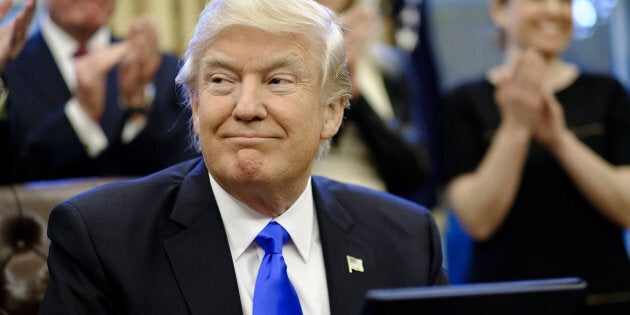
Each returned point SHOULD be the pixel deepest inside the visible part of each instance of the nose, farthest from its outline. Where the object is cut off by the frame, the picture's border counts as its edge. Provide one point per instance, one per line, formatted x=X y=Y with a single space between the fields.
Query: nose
x=250 y=105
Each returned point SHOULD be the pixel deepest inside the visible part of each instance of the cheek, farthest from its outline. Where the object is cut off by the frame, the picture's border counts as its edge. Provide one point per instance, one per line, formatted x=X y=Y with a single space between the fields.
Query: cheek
x=298 y=111
x=201 y=115
x=300 y=125
x=204 y=118
x=211 y=114
x=194 y=111
x=196 y=124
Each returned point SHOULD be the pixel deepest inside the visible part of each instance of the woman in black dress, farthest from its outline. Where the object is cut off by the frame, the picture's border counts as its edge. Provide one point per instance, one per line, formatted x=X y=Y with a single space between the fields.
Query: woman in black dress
x=537 y=158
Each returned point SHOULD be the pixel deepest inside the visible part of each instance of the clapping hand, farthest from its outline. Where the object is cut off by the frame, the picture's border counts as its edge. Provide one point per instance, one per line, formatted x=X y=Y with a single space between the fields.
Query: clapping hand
x=524 y=99
x=552 y=123
x=139 y=66
x=91 y=71
x=139 y=59
x=13 y=34
x=360 y=25
x=520 y=92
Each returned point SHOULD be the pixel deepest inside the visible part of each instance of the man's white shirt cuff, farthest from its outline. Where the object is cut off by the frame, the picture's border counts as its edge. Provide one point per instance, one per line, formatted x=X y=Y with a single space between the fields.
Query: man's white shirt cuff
x=89 y=133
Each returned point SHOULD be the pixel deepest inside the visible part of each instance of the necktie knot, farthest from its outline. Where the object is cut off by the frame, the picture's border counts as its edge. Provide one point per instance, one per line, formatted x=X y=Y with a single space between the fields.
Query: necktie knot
x=81 y=51
x=272 y=237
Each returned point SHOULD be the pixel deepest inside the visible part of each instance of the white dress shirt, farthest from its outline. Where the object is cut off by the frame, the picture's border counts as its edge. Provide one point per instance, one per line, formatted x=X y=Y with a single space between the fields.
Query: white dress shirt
x=303 y=253
x=63 y=46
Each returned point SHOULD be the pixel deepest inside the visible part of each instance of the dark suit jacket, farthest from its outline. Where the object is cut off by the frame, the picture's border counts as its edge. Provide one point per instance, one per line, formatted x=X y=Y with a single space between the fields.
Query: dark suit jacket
x=44 y=144
x=157 y=245
x=398 y=148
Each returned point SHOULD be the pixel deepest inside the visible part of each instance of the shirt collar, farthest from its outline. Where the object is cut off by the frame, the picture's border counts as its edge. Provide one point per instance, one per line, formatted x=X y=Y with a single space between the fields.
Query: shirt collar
x=62 y=44
x=242 y=223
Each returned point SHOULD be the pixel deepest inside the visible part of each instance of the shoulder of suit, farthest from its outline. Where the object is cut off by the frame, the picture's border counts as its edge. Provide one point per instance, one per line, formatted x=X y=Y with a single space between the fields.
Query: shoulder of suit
x=361 y=195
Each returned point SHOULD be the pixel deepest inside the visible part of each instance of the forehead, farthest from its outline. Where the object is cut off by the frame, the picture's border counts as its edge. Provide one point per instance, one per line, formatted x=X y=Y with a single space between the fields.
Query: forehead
x=336 y=5
x=77 y=3
x=244 y=45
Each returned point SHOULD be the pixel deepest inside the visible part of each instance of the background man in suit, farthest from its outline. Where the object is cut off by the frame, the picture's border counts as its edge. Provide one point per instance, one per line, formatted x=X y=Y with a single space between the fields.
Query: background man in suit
x=12 y=38
x=267 y=88
x=79 y=105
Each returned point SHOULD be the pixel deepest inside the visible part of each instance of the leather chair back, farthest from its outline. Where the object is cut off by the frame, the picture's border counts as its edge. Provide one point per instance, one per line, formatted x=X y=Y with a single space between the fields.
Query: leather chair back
x=24 y=211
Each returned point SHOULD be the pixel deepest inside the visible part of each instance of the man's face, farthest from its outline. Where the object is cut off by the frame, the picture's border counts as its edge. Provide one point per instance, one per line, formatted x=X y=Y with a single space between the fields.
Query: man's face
x=258 y=112
x=81 y=16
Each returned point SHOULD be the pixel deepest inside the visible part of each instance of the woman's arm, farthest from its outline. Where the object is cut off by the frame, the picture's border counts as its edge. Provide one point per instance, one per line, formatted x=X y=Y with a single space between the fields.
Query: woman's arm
x=606 y=186
x=482 y=199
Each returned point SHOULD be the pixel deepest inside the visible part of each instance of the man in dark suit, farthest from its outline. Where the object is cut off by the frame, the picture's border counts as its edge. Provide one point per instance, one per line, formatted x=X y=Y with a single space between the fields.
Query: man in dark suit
x=12 y=38
x=79 y=105
x=267 y=88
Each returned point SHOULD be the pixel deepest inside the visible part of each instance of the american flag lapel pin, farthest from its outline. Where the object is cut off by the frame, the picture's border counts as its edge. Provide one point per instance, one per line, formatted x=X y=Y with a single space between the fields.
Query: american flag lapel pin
x=354 y=264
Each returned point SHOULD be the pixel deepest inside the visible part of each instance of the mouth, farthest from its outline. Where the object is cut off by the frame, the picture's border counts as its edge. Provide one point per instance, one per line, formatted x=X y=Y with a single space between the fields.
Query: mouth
x=248 y=136
x=249 y=139
x=552 y=29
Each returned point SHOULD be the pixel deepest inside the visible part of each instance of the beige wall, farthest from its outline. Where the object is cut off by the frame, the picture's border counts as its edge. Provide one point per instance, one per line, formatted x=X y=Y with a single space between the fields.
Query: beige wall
x=175 y=19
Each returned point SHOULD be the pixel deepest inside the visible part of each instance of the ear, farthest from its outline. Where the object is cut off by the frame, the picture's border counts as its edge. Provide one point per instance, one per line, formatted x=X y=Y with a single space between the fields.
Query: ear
x=333 y=116
x=193 y=102
x=497 y=13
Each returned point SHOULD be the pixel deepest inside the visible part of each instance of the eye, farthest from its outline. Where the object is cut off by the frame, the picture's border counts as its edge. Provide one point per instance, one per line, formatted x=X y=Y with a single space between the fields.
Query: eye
x=220 y=84
x=276 y=81
x=282 y=84
x=216 y=80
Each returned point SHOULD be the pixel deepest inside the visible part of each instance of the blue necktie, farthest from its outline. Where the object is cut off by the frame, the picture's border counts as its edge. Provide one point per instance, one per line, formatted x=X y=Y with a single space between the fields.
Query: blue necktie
x=273 y=293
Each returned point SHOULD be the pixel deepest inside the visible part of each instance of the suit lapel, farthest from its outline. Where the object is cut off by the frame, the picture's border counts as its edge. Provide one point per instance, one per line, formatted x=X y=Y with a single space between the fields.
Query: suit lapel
x=339 y=239
x=114 y=117
x=200 y=254
x=41 y=69
x=202 y=263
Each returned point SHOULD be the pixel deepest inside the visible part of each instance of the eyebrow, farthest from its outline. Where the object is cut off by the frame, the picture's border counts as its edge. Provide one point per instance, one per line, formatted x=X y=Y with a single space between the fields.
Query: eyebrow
x=291 y=61
x=215 y=61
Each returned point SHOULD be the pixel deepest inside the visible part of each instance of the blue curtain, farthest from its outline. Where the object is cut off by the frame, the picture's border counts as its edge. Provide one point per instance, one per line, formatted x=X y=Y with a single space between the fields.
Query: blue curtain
x=427 y=112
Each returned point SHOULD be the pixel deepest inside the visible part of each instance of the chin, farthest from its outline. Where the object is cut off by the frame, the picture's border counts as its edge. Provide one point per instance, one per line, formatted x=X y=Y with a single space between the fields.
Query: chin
x=557 y=47
x=551 y=53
